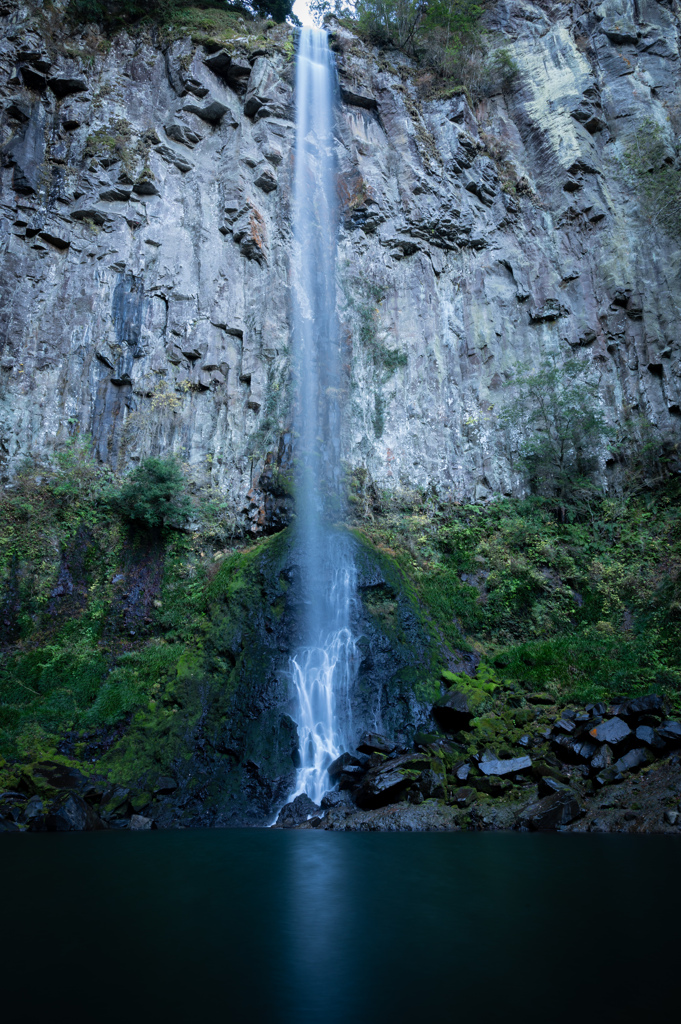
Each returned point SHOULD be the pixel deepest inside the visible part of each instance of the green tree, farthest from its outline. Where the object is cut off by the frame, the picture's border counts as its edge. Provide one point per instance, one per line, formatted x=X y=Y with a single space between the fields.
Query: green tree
x=555 y=423
x=652 y=159
x=390 y=22
x=154 y=495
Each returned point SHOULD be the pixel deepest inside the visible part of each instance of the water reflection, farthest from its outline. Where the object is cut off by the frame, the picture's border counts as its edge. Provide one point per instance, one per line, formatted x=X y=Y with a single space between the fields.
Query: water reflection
x=318 y=927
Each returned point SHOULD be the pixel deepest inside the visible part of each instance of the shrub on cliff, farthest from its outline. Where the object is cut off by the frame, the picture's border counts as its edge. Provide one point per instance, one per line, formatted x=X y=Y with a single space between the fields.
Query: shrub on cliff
x=153 y=496
x=555 y=425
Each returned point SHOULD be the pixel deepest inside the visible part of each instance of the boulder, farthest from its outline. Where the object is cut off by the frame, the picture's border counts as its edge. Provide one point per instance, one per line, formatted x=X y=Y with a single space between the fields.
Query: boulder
x=552 y=811
x=453 y=711
x=603 y=758
x=613 y=731
x=33 y=815
x=115 y=801
x=297 y=811
x=464 y=796
x=387 y=782
x=506 y=766
x=70 y=813
x=652 y=703
x=338 y=766
x=61 y=776
x=430 y=784
x=374 y=743
x=139 y=823
x=350 y=776
x=334 y=798
x=549 y=785
x=633 y=759
x=650 y=737
x=671 y=731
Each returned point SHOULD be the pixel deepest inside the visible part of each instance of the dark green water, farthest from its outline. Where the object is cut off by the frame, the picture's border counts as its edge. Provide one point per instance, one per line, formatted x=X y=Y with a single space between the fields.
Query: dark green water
x=322 y=927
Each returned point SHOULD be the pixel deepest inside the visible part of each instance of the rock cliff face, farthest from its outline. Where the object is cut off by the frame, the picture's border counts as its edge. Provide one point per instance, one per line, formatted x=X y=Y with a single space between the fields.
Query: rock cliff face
x=145 y=239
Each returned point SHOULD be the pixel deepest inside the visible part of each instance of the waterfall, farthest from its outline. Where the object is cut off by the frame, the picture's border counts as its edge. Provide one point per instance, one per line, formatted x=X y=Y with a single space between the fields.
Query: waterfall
x=323 y=666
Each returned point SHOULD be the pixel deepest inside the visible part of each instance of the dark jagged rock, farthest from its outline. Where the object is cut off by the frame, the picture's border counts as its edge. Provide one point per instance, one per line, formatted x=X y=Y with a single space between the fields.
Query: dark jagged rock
x=652 y=703
x=233 y=70
x=549 y=785
x=552 y=811
x=574 y=750
x=297 y=811
x=431 y=785
x=633 y=759
x=212 y=112
x=350 y=776
x=381 y=785
x=62 y=87
x=70 y=813
x=374 y=743
x=334 y=798
x=670 y=731
x=166 y=785
x=453 y=710
x=115 y=801
x=651 y=737
x=603 y=758
x=61 y=776
x=342 y=762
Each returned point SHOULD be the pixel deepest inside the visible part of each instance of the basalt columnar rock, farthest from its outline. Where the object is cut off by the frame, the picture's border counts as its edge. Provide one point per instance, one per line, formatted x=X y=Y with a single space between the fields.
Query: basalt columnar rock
x=145 y=242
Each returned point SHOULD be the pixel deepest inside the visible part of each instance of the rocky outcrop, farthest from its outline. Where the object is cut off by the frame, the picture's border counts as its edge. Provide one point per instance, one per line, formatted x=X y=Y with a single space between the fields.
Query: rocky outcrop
x=560 y=786
x=144 y=233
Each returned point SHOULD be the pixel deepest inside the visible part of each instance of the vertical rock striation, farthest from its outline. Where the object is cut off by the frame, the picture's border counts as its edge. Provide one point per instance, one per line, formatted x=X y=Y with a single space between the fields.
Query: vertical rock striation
x=145 y=240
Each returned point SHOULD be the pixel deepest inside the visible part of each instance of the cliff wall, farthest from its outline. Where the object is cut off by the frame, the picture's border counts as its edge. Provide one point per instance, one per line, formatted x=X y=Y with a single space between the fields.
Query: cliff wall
x=145 y=240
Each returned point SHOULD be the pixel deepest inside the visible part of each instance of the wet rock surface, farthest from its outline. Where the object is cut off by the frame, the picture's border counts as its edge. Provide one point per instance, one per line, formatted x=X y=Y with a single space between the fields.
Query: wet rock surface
x=422 y=790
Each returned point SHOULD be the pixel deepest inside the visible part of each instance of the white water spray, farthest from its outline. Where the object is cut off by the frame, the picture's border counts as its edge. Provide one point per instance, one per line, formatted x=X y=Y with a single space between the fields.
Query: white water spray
x=324 y=666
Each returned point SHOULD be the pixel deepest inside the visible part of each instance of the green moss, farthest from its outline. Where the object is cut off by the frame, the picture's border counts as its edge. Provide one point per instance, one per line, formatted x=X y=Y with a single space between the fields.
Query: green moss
x=584 y=607
x=478 y=691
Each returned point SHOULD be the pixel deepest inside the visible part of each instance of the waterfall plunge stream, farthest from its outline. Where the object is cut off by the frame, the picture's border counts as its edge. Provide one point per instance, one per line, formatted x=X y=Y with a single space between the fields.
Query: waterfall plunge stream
x=324 y=666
